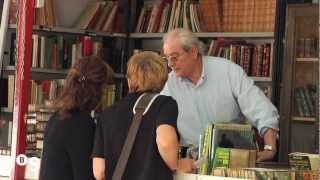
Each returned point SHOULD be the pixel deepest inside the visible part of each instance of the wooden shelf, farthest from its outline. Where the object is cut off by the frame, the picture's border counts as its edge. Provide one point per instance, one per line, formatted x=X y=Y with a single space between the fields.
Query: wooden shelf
x=303 y=119
x=39 y=73
x=307 y=59
x=72 y=31
x=269 y=35
x=6 y=110
x=261 y=79
x=44 y=73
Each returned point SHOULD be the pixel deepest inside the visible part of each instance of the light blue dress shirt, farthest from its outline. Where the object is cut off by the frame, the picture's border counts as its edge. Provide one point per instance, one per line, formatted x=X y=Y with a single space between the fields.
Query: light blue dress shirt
x=224 y=93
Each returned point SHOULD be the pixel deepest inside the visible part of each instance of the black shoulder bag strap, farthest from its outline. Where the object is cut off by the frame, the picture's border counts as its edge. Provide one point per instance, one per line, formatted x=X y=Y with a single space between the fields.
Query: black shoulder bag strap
x=140 y=108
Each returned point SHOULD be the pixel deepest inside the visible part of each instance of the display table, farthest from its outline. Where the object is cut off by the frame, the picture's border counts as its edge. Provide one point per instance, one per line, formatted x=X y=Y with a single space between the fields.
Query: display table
x=5 y=168
x=182 y=176
x=33 y=167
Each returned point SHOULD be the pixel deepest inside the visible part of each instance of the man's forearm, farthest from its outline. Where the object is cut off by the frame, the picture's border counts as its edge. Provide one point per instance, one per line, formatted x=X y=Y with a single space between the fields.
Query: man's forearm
x=270 y=148
x=270 y=138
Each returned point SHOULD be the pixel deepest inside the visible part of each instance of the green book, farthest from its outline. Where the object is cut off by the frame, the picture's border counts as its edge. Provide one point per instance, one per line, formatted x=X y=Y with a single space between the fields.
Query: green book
x=222 y=157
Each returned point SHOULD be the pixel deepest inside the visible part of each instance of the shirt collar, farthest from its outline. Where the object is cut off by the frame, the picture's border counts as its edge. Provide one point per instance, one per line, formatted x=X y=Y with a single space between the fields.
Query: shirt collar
x=201 y=79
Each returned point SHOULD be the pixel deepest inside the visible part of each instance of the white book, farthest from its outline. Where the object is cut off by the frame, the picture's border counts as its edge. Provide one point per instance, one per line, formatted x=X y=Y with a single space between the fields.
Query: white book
x=164 y=18
x=35 y=49
x=185 y=19
x=11 y=89
x=42 y=51
x=74 y=54
x=192 y=18
x=142 y=14
x=172 y=15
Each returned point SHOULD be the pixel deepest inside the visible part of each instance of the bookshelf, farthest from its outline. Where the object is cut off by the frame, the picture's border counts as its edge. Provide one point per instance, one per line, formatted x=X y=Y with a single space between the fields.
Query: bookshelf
x=300 y=87
x=303 y=119
x=45 y=74
x=74 y=31
x=110 y=43
x=249 y=35
x=307 y=60
x=145 y=35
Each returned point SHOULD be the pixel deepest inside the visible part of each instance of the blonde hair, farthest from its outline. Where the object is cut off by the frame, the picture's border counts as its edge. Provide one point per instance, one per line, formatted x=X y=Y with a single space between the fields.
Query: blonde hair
x=147 y=71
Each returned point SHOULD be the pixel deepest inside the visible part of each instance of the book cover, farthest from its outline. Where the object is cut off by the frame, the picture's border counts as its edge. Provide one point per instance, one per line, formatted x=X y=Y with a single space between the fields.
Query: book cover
x=222 y=157
x=304 y=161
x=5 y=132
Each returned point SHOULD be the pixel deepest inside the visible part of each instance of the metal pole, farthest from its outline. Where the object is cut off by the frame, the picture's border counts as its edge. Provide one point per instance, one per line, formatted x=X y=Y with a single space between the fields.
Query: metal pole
x=24 y=46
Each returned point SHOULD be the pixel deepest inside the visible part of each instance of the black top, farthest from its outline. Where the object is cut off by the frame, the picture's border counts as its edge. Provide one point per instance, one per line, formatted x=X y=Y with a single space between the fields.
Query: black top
x=67 y=148
x=145 y=162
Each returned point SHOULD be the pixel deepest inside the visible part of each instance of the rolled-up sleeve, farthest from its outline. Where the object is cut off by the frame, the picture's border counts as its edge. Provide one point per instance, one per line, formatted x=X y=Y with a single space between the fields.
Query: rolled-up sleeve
x=254 y=105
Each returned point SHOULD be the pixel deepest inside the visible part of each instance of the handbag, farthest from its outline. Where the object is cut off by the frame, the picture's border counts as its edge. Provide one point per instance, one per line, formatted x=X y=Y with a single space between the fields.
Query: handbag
x=140 y=108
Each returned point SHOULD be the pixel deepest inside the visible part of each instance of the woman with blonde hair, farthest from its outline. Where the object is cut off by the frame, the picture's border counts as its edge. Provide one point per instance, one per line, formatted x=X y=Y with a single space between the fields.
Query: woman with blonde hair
x=69 y=134
x=155 y=151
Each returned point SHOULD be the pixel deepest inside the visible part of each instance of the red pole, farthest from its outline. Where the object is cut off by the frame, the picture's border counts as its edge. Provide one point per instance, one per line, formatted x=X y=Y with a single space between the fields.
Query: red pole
x=23 y=60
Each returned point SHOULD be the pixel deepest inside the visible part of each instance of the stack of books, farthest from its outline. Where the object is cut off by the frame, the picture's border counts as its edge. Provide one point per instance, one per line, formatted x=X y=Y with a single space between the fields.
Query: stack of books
x=227 y=145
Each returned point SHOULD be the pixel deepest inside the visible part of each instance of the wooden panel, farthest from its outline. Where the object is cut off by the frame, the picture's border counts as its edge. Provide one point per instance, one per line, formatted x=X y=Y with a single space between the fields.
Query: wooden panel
x=305 y=27
x=301 y=141
x=306 y=73
x=301 y=22
x=285 y=101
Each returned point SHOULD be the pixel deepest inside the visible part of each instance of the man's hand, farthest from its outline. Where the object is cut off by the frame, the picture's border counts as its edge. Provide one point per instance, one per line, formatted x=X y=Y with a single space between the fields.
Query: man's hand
x=265 y=155
x=186 y=165
x=270 y=138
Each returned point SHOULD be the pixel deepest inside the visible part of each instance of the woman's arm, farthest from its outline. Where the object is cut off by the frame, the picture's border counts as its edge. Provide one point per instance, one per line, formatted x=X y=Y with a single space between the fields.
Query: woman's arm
x=168 y=145
x=98 y=168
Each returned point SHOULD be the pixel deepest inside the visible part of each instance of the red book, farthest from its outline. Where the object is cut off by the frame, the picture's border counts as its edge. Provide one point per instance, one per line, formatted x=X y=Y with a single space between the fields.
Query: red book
x=159 y=14
x=87 y=46
x=266 y=64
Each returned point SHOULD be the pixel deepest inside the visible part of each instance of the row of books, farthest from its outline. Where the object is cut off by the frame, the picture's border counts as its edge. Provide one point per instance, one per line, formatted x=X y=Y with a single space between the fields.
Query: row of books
x=46 y=90
x=58 y=52
x=238 y=15
x=255 y=59
x=98 y=15
x=200 y=16
x=39 y=113
x=266 y=173
x=223 y=136
x=305 y=98
x=166 y=15
x=304 y=161
x=109 y=96
x=41 y=91
x=5 y=151
x=101 y=16
x=35 y=126
x=307 y=48
x=208 y=16
x=45 y=13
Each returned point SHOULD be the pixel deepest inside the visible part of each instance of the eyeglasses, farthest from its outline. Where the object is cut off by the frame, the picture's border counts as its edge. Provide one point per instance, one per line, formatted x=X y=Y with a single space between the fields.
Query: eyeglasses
x=173 y=58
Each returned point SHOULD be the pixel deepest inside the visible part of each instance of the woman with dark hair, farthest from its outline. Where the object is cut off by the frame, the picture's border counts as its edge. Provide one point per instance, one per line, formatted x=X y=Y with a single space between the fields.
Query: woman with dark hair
x=69 y=134
x=154 y=155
